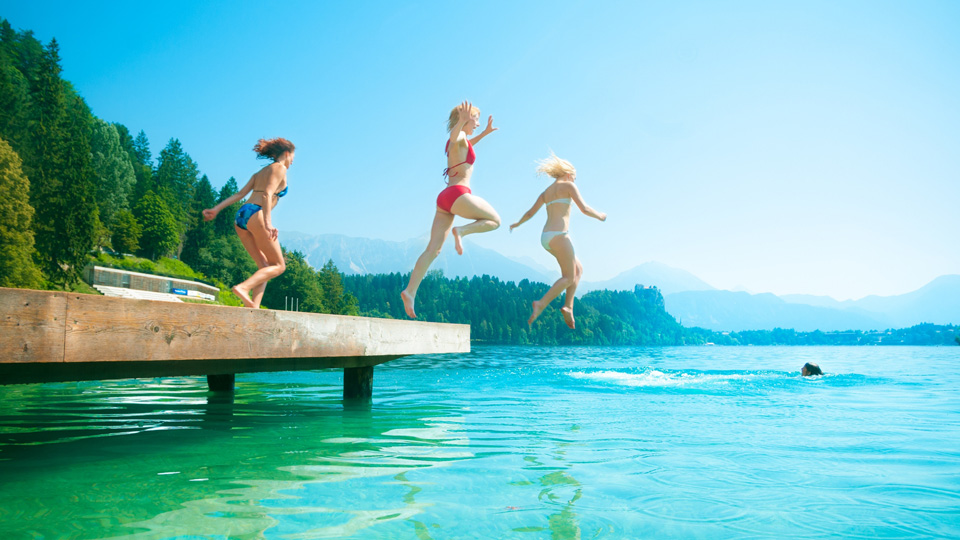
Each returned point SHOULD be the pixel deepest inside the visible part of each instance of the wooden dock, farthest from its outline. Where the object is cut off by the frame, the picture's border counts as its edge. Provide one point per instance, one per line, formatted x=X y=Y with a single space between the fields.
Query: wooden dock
x=56 y=336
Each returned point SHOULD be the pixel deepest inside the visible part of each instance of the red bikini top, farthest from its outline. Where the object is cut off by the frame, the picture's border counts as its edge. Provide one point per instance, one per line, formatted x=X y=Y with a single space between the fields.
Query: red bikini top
x=471 y=158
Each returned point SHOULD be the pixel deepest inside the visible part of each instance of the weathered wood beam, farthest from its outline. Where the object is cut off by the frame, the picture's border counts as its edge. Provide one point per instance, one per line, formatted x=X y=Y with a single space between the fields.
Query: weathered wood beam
x=54 y=336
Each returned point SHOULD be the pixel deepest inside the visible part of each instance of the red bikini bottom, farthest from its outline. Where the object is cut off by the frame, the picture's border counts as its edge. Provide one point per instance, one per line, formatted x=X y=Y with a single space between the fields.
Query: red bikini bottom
x=448 y=196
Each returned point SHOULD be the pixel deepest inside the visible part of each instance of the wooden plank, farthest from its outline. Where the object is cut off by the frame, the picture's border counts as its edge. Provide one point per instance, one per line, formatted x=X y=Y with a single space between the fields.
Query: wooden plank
x=120 y=329
x=31 y=325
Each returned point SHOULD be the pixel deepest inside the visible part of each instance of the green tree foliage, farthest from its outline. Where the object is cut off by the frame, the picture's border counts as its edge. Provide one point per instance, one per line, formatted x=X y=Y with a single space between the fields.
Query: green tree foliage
x=142 y=160
x=126 y=232
x=113 y=169
x=223 y=223
x=299 y=282
x=225 y=259
x=62 y=192
x=16 y=238
x=336 y=300
x=200 y=234
x=160 y=231
x=497 y=311
x=176 y=180
x=141 y=148
x=14 y=90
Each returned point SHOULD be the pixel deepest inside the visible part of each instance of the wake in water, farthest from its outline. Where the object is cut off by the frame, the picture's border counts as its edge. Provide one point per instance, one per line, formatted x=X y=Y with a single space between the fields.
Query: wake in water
x=688 y=379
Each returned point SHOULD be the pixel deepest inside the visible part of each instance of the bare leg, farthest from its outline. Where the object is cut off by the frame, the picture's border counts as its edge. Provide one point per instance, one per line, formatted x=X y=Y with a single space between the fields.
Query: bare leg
x=246 y=238
x=472 y=207
x=442 y=222
x=567 y=309
x=251 y=290
x=562 y=248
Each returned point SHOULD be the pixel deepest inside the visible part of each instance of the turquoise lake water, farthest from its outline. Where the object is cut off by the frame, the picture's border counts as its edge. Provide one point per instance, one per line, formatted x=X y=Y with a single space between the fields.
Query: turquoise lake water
x=504 y=442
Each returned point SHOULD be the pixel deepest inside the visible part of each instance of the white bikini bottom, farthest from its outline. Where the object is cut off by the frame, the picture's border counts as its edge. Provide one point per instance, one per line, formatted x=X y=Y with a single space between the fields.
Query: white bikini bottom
x=547 y=236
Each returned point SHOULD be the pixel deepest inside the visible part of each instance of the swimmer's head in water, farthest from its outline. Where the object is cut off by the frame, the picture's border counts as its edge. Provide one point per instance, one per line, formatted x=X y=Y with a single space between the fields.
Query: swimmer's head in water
x=556 y=167
x=273 y=148
x=809 y=369
x=455 y=117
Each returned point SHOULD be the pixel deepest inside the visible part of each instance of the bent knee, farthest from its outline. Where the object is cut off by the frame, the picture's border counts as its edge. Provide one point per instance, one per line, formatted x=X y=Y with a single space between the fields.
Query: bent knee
x=495 y=222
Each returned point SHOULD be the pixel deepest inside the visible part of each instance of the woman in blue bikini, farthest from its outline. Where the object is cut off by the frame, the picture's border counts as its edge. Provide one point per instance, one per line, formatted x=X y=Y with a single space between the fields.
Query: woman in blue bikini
x=253 y=223
x=556 y=237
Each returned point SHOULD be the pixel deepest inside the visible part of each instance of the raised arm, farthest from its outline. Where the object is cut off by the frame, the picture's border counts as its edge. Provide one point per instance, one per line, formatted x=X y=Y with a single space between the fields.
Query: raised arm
x=575 y=195
x=488 y=130
x=211 y=213
x=530 y=213
x=463 y=115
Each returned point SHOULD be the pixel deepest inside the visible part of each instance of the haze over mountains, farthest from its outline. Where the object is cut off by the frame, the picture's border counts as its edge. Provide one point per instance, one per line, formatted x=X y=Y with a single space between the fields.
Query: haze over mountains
x=691 y=300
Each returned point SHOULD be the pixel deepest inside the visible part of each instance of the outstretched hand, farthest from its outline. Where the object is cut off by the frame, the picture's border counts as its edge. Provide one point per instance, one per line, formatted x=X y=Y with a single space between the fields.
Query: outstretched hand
x=490 y=128
x=464 y=111
x=209 y=214
x=514 y=226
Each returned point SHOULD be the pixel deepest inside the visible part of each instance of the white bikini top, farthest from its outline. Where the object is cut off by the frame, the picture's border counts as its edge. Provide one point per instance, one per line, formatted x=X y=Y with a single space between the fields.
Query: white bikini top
x=556 y=201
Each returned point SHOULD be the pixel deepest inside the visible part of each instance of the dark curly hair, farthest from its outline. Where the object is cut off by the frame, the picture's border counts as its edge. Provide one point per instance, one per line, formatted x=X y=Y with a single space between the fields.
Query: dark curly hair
x=272 y=148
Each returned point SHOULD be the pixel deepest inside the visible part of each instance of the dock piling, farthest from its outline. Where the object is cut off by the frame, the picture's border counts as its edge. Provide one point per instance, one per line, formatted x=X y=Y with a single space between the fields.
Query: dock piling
x=223 y=382
x=358 y=382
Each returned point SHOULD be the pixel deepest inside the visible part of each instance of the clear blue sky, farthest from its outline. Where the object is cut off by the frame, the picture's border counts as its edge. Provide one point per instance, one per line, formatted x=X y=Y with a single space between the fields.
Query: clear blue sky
x=807 y=147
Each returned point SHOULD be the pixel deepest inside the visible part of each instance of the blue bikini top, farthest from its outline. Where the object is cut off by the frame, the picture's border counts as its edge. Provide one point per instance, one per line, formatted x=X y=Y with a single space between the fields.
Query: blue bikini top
x=278 y=194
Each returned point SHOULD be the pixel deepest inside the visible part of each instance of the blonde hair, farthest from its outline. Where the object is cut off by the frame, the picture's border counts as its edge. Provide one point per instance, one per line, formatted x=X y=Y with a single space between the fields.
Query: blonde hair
x=555 y=167
x=455 y=116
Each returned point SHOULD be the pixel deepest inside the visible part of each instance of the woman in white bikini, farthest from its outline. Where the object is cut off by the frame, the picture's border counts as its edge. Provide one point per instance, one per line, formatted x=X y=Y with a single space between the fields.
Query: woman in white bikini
x=556 y=236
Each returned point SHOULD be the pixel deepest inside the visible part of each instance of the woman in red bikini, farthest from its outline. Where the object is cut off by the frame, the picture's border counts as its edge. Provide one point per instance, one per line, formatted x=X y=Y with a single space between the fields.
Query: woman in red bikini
x=456 y=199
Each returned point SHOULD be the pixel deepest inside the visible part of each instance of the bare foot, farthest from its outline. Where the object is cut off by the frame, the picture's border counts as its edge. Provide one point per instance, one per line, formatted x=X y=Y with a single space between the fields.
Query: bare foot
x=244 y=296
x=408 y=304
x=568 y=317
x=456 y=240
x=537 y=310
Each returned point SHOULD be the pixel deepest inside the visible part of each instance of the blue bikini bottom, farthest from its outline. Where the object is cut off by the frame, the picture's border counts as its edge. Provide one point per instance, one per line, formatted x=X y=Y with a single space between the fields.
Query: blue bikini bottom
x=244 y=213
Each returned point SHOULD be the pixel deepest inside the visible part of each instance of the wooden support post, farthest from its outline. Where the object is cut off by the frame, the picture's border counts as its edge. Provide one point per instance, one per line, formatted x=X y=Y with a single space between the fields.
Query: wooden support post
x=358 y=382
x=221 y=383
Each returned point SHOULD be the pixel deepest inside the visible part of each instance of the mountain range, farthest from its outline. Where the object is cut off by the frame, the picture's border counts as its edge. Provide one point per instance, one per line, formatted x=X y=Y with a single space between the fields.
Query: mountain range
x=691 y=300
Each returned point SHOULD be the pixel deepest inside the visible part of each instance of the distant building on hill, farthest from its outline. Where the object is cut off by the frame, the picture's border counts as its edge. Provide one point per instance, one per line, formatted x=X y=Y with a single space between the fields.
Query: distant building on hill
x=115 y=282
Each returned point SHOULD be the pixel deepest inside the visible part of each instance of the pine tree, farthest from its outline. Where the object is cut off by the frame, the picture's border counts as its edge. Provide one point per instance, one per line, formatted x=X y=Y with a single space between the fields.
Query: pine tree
x=126 y=232
x=141 y=148
x=176 y=180
x=160 y=233
x=16 y=238
x=223 y=223
x=336 y=300
x=142 y=167
x=14 y=91
x=62 y=192
x=113 y=170
x=298 y=285
x=200 y=233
